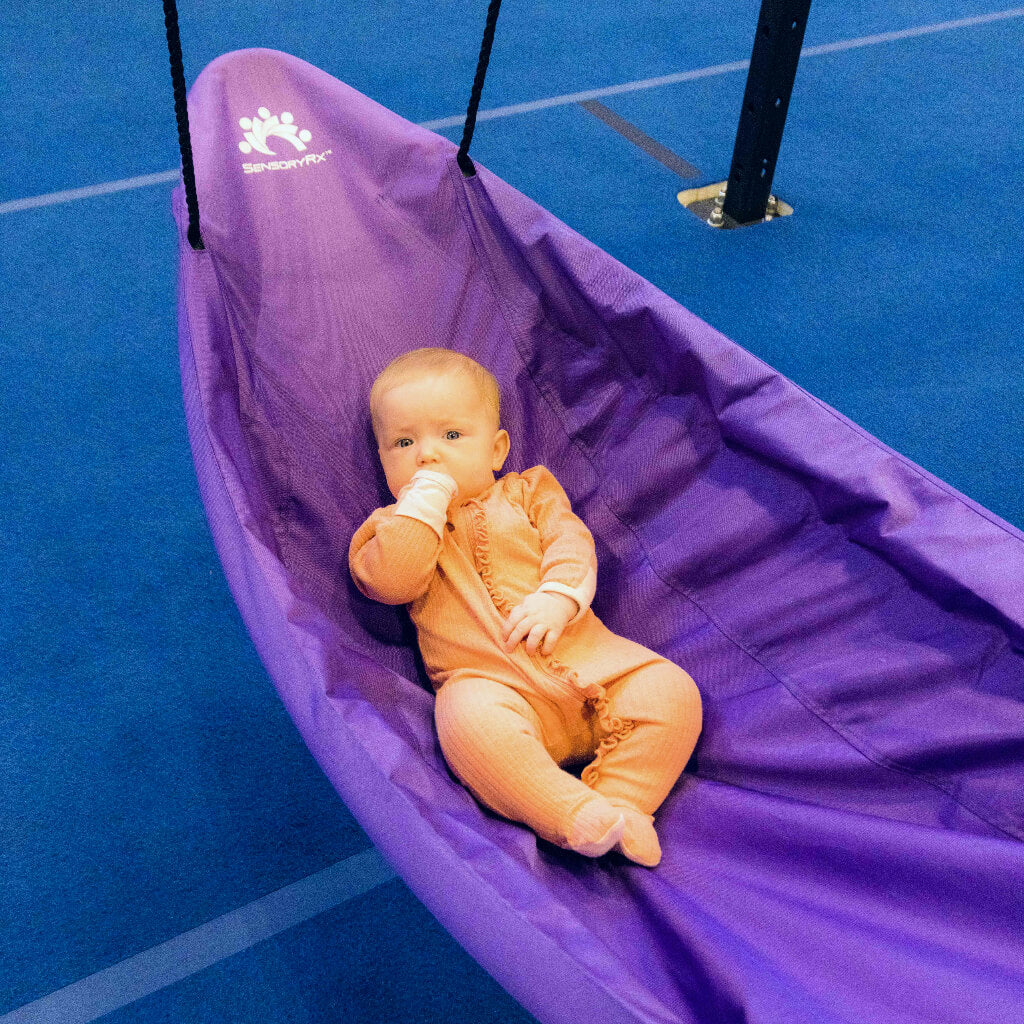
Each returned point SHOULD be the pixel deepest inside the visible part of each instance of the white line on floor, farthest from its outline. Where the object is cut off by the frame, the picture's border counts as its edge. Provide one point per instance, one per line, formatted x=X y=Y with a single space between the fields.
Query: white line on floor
x=192 y=951
x=49 y=199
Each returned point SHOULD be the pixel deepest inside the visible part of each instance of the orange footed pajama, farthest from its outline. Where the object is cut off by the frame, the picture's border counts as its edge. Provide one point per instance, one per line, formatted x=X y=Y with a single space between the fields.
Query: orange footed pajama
x=509 y=720
x=508 y=747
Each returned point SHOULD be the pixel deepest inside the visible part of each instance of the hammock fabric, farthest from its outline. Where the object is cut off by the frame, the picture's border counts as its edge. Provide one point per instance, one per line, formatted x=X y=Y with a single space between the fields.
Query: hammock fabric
x=846 y=843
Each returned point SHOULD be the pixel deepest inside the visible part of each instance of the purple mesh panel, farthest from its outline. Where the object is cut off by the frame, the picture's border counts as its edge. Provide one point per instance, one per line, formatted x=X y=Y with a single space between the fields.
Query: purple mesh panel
x=845 y=845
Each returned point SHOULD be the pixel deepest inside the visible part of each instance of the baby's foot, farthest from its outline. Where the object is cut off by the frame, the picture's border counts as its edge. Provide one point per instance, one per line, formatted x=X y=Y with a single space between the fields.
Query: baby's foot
x=595 y=828
x=639 y=841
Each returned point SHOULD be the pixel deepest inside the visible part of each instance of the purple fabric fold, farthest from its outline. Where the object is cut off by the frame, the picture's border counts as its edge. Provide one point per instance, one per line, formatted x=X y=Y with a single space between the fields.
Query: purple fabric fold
x=845 y=845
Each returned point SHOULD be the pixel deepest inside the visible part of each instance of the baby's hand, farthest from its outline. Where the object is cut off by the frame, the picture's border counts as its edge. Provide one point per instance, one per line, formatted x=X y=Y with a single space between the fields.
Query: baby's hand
x=537 y=615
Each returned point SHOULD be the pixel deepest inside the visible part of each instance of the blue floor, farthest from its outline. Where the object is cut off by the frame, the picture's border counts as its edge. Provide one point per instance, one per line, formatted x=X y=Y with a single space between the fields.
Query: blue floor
x=152 y=782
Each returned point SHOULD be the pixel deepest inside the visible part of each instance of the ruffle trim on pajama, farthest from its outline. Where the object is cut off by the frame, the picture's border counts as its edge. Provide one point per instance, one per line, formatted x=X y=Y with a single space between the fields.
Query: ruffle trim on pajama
x=594 y=694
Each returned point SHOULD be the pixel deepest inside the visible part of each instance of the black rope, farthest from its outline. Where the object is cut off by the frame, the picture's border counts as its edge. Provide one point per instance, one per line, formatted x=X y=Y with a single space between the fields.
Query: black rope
x=465 y=163
x=181 y=110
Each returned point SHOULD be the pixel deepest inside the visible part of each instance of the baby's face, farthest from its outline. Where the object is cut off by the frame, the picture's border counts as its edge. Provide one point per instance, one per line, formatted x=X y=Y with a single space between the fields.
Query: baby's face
x=439 y=423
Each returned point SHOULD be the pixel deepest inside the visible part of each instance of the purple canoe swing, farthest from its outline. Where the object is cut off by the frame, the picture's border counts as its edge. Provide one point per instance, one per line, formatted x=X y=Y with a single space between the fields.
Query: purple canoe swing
x=845 y=846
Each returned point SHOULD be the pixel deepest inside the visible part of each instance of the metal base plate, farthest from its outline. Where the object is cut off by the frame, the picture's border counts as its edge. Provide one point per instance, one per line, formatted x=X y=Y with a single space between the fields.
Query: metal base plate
x=701 y=202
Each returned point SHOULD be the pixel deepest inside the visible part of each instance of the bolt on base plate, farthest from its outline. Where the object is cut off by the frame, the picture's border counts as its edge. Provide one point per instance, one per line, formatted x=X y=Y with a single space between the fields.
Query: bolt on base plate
x=707 y=204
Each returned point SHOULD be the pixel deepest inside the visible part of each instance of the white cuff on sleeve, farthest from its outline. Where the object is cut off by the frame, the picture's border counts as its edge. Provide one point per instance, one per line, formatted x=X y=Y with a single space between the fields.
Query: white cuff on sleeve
x=583 y=595
x=426 y=498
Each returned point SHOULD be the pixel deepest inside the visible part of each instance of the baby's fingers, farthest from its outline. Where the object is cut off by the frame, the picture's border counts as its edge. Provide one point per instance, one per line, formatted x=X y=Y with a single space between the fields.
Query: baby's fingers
x=513 y=617
x=518 y=632
x=550 y=640
x=535 y=637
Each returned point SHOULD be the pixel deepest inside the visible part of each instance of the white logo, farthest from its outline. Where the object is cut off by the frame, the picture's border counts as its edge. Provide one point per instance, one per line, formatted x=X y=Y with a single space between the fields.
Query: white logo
x=259 y=129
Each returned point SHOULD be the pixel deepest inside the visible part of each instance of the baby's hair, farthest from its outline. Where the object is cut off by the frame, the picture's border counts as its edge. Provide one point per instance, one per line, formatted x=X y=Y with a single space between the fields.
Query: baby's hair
x=422 y=362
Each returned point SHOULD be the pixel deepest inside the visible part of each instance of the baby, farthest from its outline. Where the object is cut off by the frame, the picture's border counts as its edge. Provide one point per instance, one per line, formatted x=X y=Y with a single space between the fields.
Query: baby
x=499 y=574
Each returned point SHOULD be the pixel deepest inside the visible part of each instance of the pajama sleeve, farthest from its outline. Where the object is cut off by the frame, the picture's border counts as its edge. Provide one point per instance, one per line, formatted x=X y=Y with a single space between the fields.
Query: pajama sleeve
x=393 y=555
x=569 y=562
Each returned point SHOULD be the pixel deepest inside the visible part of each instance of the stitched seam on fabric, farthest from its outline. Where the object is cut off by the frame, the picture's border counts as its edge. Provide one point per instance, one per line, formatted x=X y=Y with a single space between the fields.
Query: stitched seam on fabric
x=859 y=745
x=386 y=204
x=918 y=471
x=997 y=651
x=242 y=414
x=284 y=506
x=281 y=538
x=324 y=432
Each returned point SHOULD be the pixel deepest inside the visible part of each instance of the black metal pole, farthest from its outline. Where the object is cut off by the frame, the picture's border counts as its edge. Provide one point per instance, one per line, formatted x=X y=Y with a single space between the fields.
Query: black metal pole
x=777 y=45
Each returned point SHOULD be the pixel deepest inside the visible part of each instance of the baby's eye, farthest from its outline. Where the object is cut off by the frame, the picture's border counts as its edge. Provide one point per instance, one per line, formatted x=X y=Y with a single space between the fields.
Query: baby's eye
x=459 y=432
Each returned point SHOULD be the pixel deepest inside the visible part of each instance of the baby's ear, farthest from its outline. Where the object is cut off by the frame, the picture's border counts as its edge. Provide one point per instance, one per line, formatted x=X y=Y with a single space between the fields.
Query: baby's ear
x=502 y=446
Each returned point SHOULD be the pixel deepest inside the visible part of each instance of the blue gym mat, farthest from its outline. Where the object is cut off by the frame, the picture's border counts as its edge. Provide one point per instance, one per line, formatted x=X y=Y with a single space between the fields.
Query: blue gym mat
x=171 y=852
